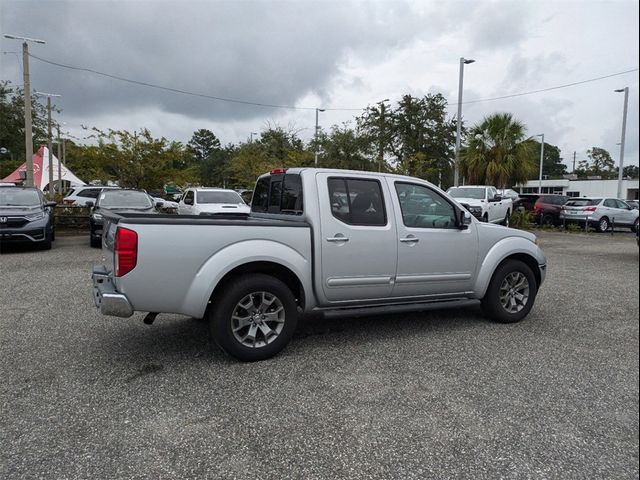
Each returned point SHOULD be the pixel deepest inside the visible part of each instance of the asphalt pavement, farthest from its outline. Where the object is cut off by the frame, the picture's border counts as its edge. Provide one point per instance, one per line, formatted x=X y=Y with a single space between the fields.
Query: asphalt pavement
x=424 y=395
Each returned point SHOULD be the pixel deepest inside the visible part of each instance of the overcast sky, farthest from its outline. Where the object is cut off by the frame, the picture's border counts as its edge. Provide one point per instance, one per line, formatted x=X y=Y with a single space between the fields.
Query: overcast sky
x=334 y=55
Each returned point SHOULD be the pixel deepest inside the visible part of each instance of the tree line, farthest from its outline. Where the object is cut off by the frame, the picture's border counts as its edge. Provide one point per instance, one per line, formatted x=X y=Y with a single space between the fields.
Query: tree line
x=413 y=137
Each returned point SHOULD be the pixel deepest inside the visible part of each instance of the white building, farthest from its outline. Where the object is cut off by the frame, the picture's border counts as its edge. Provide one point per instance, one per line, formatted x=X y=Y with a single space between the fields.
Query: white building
x=583 y=188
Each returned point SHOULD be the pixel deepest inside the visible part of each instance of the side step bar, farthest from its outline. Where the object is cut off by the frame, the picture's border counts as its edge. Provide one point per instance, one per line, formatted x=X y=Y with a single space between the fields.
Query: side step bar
x=402 y=308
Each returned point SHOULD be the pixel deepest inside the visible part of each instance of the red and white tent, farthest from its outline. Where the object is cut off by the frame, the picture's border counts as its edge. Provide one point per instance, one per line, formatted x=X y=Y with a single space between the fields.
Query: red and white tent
x=41 y=171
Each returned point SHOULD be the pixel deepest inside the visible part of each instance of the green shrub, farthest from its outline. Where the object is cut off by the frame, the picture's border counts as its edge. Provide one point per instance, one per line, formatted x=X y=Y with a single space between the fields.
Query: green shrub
x=520 y=219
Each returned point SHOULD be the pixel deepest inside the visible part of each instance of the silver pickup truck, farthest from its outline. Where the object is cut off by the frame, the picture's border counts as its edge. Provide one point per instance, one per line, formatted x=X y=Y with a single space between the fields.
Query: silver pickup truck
x=333 y=241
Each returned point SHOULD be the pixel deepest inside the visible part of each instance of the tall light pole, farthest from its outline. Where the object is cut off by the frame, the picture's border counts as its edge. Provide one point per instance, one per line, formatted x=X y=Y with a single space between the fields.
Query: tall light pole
x=28 y=130
x=315 y=136
x=59 y=159
x=49 y=143
x=624 y=129
x=381 y=134
x=251 y=134
x=456 y=167
x=541 y=159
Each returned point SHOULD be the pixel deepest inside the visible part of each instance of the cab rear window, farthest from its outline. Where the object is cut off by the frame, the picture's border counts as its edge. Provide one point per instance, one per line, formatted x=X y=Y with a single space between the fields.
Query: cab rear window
x=279 y=194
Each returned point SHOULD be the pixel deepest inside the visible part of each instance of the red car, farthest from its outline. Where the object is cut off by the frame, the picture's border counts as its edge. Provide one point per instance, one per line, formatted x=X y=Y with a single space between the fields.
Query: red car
x=544 y=208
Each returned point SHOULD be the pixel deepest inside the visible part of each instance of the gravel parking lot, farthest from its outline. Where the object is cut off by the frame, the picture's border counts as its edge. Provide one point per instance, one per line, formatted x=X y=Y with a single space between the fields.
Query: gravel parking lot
x=424 y=395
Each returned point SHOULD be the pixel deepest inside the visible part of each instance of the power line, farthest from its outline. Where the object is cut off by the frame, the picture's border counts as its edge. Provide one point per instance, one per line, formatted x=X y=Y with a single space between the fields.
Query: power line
x=291 y=107
x=551 y=88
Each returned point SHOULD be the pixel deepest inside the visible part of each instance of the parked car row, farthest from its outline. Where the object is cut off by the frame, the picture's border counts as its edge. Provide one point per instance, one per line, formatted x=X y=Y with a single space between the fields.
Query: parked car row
x=600 y=213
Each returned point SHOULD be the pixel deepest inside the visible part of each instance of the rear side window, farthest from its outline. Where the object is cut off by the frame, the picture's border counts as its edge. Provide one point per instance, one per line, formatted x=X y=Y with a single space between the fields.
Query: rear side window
x=357 y=202
x=584 y=202
x=611 y=203
x=279 y=194
x=89 y=192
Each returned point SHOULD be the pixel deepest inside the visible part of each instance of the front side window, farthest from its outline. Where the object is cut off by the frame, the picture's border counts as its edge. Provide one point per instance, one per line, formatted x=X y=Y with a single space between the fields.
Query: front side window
x=424 y=208
x=357 y=202
x=611 y=203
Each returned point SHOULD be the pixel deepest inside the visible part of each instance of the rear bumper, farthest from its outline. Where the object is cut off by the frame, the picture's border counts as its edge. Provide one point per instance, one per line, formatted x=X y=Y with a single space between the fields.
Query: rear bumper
x=106 y=297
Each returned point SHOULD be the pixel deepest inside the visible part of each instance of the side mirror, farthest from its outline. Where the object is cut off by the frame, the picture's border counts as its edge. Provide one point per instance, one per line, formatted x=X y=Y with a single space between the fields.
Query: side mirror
x=89 y=203
x=496 y=198
x=464 y=219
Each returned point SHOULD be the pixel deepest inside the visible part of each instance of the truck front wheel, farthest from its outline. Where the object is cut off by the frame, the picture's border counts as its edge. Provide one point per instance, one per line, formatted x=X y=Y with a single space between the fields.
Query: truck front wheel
x=253 y=317
x=511 y=292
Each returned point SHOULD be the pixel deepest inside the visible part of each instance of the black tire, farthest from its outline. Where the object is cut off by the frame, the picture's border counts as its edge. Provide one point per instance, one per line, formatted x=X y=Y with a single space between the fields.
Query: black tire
x=46 y=244
x=491 y=303
x=547 y=219
x=95 y=242
x=485 y=218
x=603 y=225
x=507 y=219
x=227 y=302
x=635 y=226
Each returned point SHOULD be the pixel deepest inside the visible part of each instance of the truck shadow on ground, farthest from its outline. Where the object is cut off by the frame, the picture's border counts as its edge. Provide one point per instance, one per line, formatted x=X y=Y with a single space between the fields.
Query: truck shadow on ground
x=172 y=339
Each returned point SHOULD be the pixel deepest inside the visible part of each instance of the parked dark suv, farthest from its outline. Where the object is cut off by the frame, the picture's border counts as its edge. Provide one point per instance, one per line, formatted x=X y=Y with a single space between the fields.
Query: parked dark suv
x=121 y=201
x=545 y=208
x=25 y=217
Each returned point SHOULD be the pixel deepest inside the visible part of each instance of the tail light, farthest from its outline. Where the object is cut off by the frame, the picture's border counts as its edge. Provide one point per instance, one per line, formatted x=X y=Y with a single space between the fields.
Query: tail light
x=67 y=201
x=589 y=209
x=126 y=251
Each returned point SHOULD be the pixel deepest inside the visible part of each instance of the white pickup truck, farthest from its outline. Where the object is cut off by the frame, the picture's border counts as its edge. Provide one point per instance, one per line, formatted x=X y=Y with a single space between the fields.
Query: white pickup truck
x=484 y=203
x=333 y=241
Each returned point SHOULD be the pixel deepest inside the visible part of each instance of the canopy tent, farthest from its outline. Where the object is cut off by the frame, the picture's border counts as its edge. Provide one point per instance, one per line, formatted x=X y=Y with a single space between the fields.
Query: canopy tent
x=41 y=172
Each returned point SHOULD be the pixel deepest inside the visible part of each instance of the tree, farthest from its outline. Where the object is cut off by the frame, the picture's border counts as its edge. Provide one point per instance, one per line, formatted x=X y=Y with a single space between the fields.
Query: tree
x=343 y=148
x=552 y=165
x=498 y=152
x=203 y=143
x=415 y=134
x=600 y=164
x=631 y=171
x=12 y=126
x=137 y=160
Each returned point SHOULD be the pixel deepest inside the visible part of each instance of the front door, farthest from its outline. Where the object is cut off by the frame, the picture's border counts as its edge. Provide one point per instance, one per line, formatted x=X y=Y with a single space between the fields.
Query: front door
x=358 y=238
x=435 y=257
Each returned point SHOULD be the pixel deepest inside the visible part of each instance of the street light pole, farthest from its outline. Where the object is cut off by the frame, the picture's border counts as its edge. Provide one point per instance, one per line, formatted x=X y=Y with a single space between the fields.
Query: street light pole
x=251 y=134
x=49 y=138
x=456 y=167
x=541 y=159
x=381 y=134
x=28 y=129
x=624 y=130
x=316 y=136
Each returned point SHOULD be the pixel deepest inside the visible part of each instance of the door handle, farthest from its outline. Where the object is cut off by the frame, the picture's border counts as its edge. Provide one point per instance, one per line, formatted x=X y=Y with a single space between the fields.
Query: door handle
x=409 y=240
x=337 y=239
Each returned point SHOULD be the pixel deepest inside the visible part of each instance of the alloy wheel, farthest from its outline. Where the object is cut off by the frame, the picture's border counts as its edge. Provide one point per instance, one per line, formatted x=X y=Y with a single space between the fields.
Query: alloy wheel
x=257 y=319
x=514 y=292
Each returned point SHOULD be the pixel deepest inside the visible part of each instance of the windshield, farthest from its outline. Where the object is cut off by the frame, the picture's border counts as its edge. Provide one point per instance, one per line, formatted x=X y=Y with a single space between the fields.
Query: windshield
x=124 y=199
x=18 y=197
x=463 y=192
x=583 y=202
x=219 y=197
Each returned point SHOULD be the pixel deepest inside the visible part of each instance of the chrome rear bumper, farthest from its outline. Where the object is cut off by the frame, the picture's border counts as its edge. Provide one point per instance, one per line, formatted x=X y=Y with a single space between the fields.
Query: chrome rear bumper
x=107 y=299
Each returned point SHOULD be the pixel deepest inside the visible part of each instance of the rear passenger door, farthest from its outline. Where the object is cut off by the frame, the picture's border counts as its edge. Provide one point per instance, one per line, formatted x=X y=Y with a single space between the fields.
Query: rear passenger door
x=358 y=238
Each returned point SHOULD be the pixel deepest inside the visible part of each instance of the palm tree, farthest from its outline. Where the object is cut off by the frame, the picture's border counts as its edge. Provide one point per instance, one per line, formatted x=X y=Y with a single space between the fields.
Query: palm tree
x=498 y=152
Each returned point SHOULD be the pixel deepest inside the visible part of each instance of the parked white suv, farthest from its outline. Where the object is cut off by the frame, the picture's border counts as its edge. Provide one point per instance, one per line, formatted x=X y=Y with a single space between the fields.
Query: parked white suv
x=602 y=213
x=484 y=203
x=211 y=201
x=79 y=196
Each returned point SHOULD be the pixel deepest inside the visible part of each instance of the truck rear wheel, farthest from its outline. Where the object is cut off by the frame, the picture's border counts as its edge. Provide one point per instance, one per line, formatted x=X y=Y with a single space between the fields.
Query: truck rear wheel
x=511 y=292
x=253 y=317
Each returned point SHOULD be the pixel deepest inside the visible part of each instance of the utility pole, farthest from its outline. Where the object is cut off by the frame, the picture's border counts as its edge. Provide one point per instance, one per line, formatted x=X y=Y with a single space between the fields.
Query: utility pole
x=64 y=154
x=28 y=129
x=574 y=162
x=251 y=134
x=316 y=136
x=624 y=129
x=59 y=163
x=49 y=140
